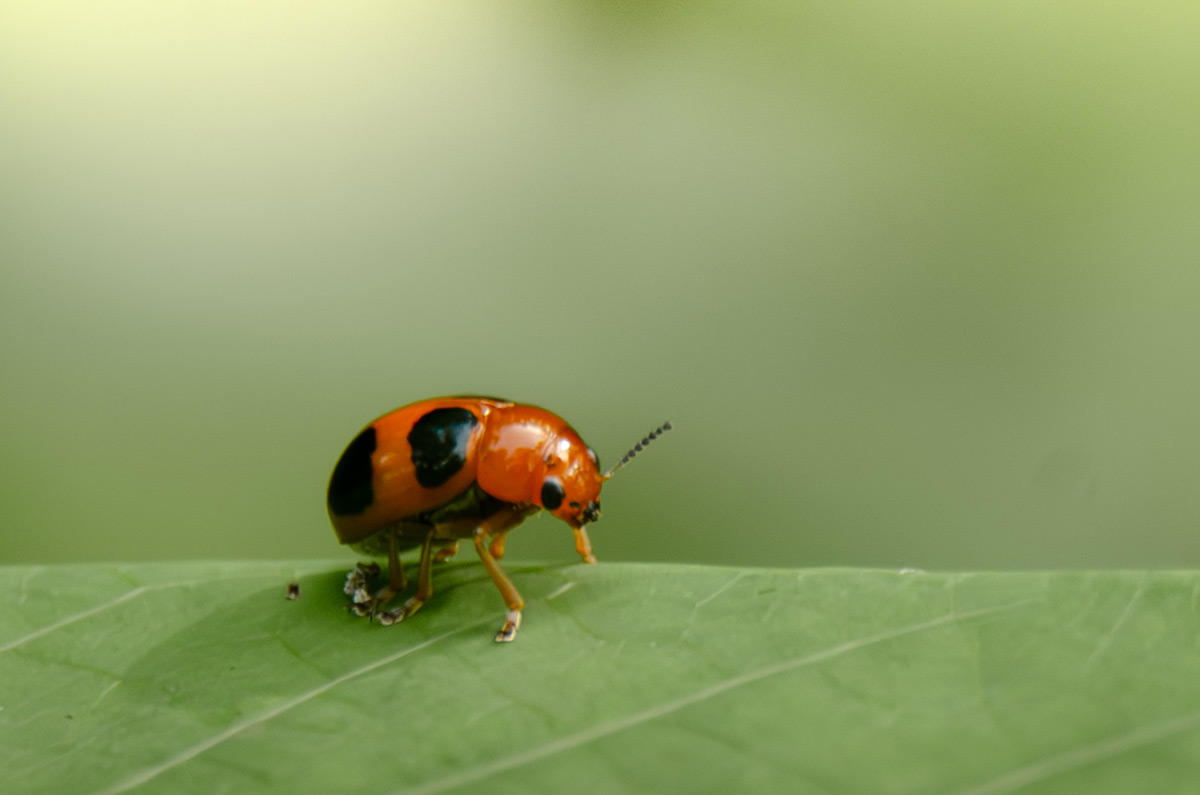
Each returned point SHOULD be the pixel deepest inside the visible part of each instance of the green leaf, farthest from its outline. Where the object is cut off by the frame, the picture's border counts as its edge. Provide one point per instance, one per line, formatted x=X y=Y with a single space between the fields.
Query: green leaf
x=204 y=678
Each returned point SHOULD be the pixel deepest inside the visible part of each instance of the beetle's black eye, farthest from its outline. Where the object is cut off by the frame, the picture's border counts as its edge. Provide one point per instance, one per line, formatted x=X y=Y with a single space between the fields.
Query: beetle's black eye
x=552 y=494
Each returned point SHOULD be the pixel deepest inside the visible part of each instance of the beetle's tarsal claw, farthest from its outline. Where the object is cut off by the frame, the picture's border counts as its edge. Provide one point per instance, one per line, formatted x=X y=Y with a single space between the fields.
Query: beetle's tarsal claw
x=512 y=622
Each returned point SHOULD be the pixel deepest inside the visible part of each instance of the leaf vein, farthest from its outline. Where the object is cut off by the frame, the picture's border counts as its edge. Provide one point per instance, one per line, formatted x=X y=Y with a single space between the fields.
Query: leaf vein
x=111 y=603
x=732 y=582
x=76 y=617
x=1106 y=641
x=1084 y=756
x=193 y=751
x=620 y=724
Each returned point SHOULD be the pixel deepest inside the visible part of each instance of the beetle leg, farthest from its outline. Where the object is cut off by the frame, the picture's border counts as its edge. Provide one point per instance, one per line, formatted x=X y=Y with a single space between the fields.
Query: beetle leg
x=397 y=582
x=508 y=591
x=424 y=588
x=493 y=529
x=497 y=545
x=446 y=552
x=583 y=545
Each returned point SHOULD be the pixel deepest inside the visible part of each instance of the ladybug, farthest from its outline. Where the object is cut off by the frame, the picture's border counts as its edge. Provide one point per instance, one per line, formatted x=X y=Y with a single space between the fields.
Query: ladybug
x=437 y=471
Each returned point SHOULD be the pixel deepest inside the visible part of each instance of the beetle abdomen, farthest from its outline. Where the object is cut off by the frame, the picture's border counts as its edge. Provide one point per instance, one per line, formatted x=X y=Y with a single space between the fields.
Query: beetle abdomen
x=415 y=459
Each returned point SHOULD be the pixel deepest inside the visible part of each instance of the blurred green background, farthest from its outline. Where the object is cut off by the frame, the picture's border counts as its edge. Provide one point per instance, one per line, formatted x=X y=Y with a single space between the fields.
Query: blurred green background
x=918 y=283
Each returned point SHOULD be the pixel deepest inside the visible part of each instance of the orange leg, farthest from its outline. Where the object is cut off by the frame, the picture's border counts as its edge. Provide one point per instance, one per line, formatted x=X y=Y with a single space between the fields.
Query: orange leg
x=495 y=526
x=397 y=582
x=583 y=545
x=424 y=587
x=492 y=529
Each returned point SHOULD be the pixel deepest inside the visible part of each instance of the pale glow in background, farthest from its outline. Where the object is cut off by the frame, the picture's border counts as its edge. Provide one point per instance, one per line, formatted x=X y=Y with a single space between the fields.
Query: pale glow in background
x=918 y=284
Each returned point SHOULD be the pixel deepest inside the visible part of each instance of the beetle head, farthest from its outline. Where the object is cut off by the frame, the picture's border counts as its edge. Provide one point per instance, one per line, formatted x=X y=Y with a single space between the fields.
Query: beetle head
x=571 y=484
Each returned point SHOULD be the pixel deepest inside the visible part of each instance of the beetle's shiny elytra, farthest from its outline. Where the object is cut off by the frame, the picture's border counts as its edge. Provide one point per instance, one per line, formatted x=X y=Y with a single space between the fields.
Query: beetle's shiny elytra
x=434 y=472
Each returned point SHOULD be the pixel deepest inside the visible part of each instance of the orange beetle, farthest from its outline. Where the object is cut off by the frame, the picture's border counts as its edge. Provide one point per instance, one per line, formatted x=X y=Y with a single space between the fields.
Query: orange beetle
x=437 y=471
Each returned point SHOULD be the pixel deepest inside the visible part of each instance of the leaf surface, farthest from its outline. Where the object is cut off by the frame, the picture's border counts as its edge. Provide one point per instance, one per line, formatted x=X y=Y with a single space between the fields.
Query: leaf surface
x=204 y=678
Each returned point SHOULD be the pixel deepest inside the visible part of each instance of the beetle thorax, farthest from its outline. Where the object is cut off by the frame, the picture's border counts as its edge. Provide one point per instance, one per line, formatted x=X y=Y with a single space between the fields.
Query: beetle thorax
x=522 y=447
x=511 y=452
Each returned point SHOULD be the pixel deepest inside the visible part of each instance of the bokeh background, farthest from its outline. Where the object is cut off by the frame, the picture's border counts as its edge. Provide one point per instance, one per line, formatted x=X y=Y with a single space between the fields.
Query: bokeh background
x=918 y=283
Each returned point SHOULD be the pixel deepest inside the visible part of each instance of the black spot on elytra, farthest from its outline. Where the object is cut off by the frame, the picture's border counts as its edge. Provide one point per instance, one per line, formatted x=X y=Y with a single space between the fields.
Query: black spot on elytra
x=350 y=488
x=552 y=494
x=439 y=444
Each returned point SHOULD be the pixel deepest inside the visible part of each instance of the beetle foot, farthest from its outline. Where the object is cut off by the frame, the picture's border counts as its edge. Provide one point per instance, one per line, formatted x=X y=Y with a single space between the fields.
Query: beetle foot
x=389 y=617
x=512 y=622
x=359 y=579
x=357 y=587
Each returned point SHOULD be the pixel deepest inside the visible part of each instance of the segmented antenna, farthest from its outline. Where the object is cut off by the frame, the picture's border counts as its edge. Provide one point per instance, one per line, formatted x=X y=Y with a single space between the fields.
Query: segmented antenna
x=637 y=448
